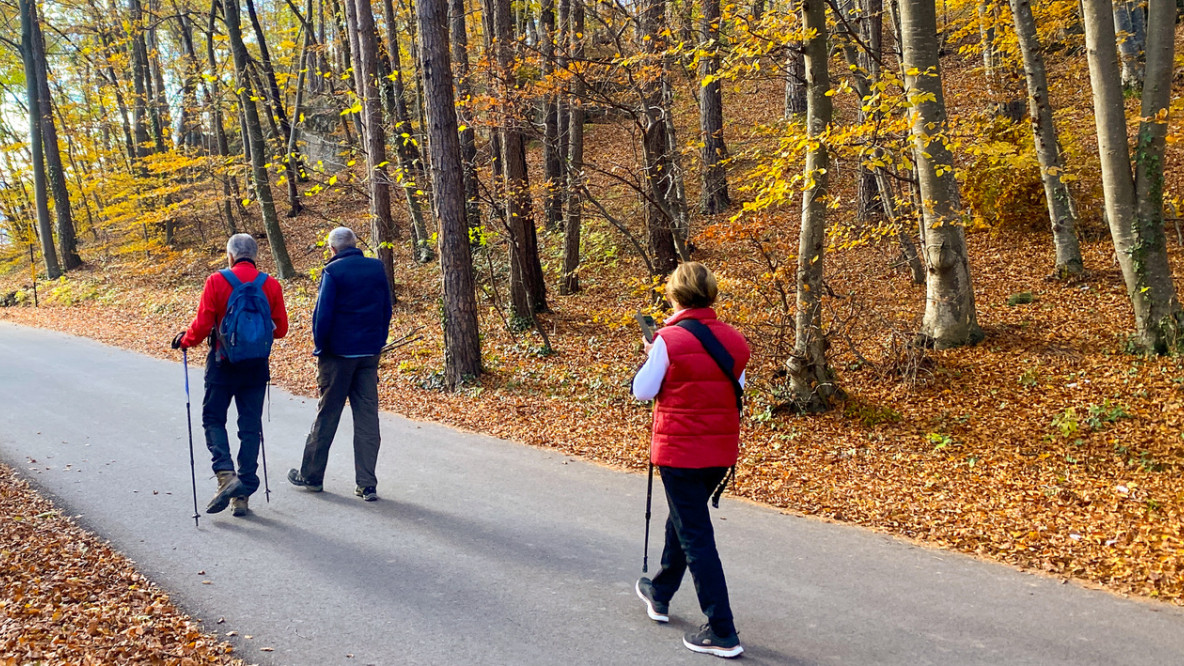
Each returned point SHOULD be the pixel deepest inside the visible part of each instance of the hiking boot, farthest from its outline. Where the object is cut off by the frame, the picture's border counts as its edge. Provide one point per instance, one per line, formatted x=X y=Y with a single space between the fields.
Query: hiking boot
x=238 y=506
x=369 y=493
x=658 y=611
x=295 y=479
x=707 y=642
x=228 y=486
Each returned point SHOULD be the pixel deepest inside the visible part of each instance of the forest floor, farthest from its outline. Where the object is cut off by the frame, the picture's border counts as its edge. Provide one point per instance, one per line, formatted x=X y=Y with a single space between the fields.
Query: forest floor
x=1047 y=446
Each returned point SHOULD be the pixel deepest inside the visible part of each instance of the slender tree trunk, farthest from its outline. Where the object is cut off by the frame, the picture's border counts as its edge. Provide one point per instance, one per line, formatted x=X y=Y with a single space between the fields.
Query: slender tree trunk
x=1044 y=133
x=360 y=17
x=413 y=179
x=292 y=166
x=40 y=194
x=214 y=104
x=659 y=167
x=714 y=195
x=468 y=141
x=161 y=118
x=527 y=290
x=254 y=137
x=1134 y=203
x=67 y=241
x=811 y=379
x=986 y=36
x=570 y=283
x=139 y=58
x=553 y=150
x=1131 y=33
x=462 y=341
x=950 y=319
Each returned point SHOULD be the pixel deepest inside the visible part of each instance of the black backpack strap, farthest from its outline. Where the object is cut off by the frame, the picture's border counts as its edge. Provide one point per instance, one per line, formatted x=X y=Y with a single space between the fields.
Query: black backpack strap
x=718 y=353
x=727 y=364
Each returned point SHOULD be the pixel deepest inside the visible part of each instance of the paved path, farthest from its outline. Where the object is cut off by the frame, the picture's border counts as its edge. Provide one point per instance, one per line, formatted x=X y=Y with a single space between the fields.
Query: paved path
x=487 y=552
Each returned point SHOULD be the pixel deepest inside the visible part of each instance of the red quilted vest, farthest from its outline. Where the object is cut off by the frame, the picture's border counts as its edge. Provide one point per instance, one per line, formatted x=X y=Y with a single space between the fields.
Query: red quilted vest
x=696 y=423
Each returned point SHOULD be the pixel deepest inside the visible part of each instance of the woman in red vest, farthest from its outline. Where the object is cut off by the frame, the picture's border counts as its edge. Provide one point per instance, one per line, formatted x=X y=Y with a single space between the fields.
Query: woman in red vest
x=696 y=439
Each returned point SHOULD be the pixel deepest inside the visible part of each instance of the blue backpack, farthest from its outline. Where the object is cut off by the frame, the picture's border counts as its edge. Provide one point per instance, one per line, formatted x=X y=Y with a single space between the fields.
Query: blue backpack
x=246 y=331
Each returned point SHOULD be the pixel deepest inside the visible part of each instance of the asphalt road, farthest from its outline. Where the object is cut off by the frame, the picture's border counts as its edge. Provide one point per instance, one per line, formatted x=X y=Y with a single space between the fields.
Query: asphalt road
x=483 y=551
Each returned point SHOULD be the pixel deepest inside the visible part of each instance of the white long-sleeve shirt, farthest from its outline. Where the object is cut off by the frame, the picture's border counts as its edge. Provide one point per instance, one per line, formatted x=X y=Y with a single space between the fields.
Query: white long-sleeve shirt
x=648 y=381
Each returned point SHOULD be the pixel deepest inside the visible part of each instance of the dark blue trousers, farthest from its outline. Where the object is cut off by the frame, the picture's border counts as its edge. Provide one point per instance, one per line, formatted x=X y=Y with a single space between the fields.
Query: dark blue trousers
x=248 y=394
x=690 y=544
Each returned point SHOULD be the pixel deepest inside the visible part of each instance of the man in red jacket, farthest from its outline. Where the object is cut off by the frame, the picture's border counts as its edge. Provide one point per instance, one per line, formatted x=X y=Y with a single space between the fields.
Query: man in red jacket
x=245 y=381
x=695 y=373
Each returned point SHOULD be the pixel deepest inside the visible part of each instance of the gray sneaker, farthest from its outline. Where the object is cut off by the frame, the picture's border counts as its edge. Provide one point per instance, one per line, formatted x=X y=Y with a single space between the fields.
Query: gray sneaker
x=658 y=611
x=295 y=479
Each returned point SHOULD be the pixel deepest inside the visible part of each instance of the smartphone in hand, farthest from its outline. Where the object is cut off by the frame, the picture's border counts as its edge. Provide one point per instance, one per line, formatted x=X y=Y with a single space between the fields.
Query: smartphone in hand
x=648 y=328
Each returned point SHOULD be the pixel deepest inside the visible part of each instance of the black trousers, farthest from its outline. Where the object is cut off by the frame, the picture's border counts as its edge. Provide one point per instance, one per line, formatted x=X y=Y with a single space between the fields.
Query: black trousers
x=690 y=544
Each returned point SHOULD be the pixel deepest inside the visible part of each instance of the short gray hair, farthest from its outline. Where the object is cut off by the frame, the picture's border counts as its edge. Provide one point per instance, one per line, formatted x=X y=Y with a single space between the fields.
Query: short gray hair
x=342 y=238
x=242 y=246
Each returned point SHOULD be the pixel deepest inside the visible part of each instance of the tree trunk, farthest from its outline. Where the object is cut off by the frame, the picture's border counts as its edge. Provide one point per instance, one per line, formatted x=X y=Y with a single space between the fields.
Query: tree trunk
x=659 y=167
x=223 y=146
x=67 y=241
x=254 y=137
x=553 y=149
x=986 y=36
x=1044 y=133
x=413 y=176
x=161 y=120
x=1134 y=204
x=570 y=283
x=359 y=16
x=40 y=194
x=1131 y=32
x=139 y=62
x=811 y=379
x=527 y=290
x=462 y=341
x=468 y=141
x=714 y=197
x=795 y=82
x=950 y=319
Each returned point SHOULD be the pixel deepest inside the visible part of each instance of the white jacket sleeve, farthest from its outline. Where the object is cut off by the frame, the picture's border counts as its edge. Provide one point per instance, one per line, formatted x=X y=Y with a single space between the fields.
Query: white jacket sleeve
x=648 y=380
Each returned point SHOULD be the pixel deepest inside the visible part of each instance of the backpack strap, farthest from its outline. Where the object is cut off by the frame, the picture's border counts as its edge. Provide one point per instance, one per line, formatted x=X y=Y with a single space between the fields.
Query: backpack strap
x=717 y=352
x=231 y=278
x=260 y=279
x=727 y=364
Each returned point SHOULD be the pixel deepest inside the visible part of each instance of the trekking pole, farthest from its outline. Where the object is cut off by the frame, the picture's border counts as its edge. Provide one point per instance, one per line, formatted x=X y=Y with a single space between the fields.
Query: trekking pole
x=263 y=449
x=649 y=497
x=189 y=421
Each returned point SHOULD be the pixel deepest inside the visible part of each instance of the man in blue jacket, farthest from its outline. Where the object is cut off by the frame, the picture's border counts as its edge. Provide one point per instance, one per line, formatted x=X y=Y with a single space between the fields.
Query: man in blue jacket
x=349 y=328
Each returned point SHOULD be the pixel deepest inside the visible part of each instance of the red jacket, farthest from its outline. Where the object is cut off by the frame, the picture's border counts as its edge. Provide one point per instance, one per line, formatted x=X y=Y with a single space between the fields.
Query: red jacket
x=696 y=423
x=215 y=295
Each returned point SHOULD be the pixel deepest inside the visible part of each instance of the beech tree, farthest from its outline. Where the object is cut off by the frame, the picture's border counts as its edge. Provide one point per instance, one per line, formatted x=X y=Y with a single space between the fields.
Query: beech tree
x=40 y=193
x=950 y=319
x=714 y=194
x=1048 y=150
x=1134 y=201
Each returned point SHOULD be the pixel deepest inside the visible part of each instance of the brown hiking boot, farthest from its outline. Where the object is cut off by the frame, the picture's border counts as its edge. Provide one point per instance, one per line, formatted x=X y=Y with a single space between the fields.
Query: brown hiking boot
x=228 y=486
x=238 y=506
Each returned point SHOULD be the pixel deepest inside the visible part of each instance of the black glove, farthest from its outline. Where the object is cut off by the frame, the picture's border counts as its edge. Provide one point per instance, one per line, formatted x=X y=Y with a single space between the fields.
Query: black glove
x=177 y=340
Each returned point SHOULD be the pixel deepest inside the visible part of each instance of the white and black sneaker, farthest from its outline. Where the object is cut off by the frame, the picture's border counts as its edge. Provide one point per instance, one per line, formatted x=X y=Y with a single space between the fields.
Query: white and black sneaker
x=707 y=642
x=368 y=493
x=658 y=611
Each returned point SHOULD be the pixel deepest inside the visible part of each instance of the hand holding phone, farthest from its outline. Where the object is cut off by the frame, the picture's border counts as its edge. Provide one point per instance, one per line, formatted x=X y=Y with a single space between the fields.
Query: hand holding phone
x=648 y=328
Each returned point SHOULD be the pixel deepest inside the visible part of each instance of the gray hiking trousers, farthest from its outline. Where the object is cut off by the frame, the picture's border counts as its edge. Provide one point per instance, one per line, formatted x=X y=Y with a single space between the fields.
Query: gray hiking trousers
x=339 y=378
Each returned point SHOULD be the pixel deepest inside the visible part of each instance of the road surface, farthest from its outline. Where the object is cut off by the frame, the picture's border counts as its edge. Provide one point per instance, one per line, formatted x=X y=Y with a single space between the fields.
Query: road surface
x=483 y=551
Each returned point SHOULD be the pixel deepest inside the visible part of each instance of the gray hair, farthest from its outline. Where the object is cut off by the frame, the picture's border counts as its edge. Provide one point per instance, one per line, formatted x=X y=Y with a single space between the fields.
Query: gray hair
x=242 y=246
x=342 y=238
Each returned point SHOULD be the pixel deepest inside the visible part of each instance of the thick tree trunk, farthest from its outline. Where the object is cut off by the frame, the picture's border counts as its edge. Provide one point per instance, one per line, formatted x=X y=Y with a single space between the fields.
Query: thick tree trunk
x=254 y=138
x=1044 y=133
x=462 y=341
x=811 y=379
x=40 y=194
x=360 y=18
x=468 y=140
x=570 y=283
x=1134 y=203
x=67 y=241
x=714 y=194
x=950 y=319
